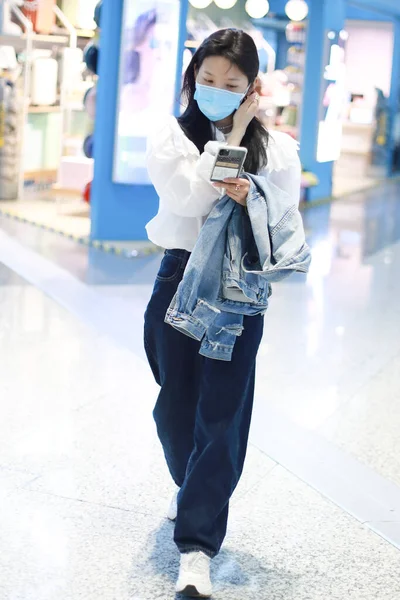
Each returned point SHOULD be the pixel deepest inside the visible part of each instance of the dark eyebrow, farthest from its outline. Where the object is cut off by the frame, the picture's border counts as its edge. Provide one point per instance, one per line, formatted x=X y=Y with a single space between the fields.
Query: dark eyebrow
x=229 y=79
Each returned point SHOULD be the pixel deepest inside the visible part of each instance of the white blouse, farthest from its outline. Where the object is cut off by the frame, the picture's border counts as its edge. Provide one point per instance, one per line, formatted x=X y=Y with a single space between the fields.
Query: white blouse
x=181 y=177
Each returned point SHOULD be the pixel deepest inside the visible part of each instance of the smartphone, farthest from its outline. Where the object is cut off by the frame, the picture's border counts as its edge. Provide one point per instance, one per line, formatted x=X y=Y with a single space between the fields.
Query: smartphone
x=228 y=163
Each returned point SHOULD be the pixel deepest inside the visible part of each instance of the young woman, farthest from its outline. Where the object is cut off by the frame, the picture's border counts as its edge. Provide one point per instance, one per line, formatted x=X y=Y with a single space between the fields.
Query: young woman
x=204 y=408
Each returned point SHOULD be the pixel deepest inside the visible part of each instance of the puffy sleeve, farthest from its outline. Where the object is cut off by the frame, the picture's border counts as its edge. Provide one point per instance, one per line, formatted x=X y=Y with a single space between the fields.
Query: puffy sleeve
x=180 y=175
x=284 y=167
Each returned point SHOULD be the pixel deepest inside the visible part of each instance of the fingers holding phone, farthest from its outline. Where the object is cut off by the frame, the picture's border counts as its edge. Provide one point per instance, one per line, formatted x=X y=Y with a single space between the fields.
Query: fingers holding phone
x=236 y=188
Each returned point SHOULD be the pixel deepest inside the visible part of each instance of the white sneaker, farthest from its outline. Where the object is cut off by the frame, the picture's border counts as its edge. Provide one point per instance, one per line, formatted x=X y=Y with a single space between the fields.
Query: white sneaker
x=173 y=507
x=194 y=576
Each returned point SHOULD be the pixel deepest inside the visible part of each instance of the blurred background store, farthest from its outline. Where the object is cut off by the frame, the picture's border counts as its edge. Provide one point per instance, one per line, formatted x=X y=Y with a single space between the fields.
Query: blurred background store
x=48 y=64
x=329 y=75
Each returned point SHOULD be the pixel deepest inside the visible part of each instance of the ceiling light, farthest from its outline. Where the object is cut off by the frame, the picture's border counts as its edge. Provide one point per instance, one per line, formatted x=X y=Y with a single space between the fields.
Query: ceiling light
x=257 y=9
x=225 y=4
x=200 y=3
x=296 y=10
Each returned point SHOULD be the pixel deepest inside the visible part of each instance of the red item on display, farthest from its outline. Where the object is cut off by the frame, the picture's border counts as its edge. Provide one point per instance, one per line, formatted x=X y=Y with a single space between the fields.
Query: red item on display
x=86 y=192
x=41 y=14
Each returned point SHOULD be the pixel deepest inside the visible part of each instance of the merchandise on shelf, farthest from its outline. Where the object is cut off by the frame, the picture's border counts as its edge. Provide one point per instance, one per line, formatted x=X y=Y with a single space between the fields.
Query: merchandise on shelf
x=296 y=37
x=295 y=75
x=88 y=146
x=87 y=192
x=89 y=102
x=10 y=139
x=97 y=13
x=80 y=13
x=44 y=79
x=296 y=33
x=41 y=14
x=91 y=56
x=296 y=56
x=6 y=24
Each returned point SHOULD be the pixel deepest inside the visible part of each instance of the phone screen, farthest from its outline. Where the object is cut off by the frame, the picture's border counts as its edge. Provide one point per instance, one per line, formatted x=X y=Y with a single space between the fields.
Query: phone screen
x=228 y=164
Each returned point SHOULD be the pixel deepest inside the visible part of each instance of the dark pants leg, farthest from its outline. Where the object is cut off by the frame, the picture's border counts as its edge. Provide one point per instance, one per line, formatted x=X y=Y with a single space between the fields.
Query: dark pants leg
x=176 y=364
x=203 y=416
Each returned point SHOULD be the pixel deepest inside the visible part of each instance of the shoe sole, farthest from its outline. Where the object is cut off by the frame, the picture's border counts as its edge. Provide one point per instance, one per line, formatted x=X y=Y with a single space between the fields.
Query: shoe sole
x=190 y=591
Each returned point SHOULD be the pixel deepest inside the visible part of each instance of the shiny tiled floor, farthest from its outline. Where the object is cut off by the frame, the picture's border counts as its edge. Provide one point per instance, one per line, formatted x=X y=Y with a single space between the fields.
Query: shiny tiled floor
x=62 y=212
x=83 y=486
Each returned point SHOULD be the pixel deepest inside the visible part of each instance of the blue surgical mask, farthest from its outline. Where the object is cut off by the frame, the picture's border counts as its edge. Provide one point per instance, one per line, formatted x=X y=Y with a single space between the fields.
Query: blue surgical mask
x=217 y=104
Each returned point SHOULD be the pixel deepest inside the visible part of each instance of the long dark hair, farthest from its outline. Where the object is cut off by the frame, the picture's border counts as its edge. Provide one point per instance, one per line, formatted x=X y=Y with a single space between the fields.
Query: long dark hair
x=239 y=48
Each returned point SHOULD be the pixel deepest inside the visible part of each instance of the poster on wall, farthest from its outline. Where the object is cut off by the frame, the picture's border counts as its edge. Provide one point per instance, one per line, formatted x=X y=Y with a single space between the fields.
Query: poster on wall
x=333 y=99
x=146 y=95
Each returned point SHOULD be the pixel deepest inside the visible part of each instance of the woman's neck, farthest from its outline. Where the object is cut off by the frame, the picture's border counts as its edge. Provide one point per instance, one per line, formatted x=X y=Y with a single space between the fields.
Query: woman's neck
x=224 y=123
x=224 y=126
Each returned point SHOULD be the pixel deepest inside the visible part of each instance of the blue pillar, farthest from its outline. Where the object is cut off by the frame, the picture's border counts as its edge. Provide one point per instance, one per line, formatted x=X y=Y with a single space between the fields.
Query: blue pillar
x=119 y=212
x=324 y=15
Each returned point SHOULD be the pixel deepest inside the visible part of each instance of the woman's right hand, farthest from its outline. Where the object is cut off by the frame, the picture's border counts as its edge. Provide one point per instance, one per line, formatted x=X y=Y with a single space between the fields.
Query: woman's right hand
x=242 y=117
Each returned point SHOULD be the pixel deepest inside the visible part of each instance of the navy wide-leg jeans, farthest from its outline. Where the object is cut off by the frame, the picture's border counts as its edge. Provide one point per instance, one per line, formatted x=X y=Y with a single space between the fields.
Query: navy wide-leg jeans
x=202 y=414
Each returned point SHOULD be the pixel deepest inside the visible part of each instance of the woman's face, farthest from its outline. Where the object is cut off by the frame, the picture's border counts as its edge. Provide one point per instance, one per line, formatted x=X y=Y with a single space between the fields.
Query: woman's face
x=218 y=72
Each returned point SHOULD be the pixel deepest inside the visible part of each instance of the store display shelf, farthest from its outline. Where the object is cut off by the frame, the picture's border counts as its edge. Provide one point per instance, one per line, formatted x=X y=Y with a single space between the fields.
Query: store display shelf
x=81 y=33
x=39 y=41
x=40 y=175
x=44 y=109
x=75 y=107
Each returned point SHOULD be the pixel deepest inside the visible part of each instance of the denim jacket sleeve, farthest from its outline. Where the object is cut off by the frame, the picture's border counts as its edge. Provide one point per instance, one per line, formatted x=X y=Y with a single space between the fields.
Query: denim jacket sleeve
x=278 y=232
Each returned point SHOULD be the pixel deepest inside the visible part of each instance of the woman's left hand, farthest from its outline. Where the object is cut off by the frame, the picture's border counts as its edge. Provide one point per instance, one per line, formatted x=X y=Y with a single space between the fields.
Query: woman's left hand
x=237 y=189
